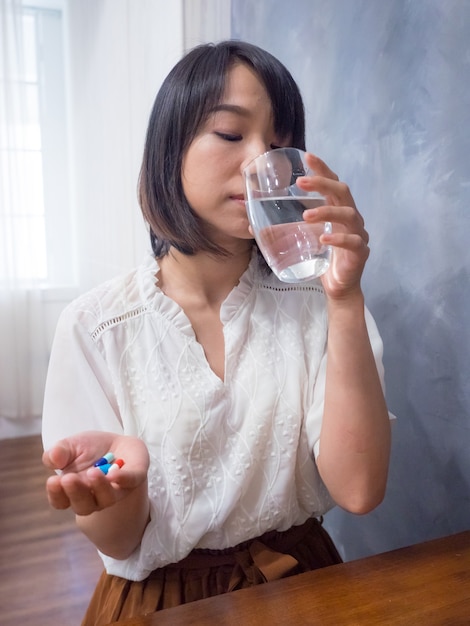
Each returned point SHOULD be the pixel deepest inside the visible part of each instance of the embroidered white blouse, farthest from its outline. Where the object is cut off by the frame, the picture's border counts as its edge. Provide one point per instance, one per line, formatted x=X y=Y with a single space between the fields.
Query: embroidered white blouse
x=230 y=459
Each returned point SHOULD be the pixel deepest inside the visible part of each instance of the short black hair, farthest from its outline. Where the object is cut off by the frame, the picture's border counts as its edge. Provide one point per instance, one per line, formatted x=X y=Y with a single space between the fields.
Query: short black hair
x=190 y=91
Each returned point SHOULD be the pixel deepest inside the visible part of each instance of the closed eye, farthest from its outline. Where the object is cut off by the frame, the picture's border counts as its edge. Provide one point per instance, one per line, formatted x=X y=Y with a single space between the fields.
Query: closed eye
x=229 y=136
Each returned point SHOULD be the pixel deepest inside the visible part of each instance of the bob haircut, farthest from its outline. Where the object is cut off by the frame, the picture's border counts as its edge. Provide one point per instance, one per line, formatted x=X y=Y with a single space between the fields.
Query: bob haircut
x=188 y=94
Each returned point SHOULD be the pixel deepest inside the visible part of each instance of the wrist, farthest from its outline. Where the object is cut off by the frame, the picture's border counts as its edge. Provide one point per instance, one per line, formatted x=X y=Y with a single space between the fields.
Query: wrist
x=352 y=301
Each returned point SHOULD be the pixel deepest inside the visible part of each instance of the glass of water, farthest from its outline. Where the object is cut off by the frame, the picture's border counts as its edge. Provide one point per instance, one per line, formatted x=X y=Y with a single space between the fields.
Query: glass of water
x=275 y=205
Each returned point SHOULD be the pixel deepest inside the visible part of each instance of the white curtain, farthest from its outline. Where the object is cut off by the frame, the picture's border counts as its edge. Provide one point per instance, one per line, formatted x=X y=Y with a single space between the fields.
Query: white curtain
x=117 y=53
x=22 y=332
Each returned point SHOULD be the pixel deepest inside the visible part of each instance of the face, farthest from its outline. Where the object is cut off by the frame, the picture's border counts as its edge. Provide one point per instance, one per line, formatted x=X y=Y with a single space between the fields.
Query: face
x=240 y=128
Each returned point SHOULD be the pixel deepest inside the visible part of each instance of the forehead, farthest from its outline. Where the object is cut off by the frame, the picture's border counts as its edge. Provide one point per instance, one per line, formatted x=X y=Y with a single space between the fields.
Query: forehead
x=242 y=83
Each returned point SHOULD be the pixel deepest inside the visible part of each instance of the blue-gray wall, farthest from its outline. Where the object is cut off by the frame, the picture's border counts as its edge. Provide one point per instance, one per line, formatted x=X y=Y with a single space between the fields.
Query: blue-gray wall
x=387 y=92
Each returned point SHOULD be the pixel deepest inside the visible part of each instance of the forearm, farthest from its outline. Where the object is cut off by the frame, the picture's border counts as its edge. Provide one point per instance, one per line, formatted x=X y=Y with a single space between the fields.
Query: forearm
x=355 y=435
x=117 y=530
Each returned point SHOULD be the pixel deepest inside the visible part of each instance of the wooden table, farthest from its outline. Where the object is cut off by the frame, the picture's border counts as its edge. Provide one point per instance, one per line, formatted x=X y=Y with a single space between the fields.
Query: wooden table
x=426 y=584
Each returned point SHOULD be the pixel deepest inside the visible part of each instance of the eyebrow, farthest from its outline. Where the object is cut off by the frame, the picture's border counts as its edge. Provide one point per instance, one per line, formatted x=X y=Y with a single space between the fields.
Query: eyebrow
x=230 y=108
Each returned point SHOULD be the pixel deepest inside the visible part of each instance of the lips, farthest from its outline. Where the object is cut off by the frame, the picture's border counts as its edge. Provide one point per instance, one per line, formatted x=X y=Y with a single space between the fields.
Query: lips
x=240 y=197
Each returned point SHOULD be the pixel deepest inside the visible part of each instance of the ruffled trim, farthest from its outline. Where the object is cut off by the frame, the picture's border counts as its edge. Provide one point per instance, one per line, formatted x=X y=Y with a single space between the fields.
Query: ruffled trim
x=154 y=297
x=253 y=276
x=237 y=297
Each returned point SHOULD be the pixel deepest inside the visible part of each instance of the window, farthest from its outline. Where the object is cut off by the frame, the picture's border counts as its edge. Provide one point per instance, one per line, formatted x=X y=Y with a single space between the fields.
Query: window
x=34 y=162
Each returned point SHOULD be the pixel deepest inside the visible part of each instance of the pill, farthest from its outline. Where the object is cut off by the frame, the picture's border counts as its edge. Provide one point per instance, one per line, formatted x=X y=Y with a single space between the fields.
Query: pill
x=117 y=464
x=105 y=467
x=107 y=458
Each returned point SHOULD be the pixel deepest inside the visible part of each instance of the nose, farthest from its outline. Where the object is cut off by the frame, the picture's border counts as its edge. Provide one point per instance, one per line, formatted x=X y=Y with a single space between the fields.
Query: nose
x=253 y=150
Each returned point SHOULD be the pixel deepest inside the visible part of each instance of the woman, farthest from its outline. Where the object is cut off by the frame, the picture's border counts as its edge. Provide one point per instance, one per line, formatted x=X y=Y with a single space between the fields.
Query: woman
x=244 y=408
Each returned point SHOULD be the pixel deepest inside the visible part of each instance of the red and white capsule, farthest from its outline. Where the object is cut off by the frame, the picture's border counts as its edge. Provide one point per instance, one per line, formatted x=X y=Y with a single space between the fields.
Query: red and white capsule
x=116 y=464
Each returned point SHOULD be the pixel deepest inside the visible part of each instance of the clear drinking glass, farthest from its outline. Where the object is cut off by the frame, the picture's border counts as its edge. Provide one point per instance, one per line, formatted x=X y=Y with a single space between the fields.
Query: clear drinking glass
x=275 y=205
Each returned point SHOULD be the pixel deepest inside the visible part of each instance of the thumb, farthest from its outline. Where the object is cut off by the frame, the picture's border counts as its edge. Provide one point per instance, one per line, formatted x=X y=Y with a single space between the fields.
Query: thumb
x=57 y=457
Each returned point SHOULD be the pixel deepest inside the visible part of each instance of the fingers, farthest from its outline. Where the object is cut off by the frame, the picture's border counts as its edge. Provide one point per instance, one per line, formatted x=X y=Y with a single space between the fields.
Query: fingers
x=345 y=219
x=320 y=167
x=353 y=243
x=339 y=209
x=94 y=494
x=55 y=493
x=326 y=182
x=335 y=192
x=349 y=238
x=69 y=491
x=84 y=494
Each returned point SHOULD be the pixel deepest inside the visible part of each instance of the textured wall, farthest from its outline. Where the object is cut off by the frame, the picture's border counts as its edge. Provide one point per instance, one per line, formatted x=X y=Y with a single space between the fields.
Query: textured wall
x=387 y=91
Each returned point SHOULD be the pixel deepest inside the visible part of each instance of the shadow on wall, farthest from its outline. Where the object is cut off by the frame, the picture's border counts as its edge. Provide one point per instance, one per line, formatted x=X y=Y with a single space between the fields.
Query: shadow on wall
x=428 y=492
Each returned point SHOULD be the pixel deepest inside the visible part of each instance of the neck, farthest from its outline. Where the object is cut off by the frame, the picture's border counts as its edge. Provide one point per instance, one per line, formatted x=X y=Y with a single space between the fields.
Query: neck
x=207 y=277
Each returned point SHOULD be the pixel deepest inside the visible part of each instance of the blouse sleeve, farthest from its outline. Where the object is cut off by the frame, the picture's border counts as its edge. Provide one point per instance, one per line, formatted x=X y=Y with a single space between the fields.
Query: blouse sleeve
x=79 y=394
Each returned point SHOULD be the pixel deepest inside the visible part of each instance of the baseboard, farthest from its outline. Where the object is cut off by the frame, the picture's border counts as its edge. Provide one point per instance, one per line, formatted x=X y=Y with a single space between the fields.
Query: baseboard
x=11 y=428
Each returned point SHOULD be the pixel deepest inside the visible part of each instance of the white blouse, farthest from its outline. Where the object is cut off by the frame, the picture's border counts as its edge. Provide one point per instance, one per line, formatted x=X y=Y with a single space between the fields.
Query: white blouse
x=230 y=459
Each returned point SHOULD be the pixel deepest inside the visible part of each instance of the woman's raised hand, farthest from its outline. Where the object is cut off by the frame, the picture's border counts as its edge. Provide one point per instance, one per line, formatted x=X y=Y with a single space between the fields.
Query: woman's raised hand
x=349 y=237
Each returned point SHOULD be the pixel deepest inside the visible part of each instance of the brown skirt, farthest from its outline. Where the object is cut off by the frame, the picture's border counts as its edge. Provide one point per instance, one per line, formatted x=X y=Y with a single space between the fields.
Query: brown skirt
x=206 y=573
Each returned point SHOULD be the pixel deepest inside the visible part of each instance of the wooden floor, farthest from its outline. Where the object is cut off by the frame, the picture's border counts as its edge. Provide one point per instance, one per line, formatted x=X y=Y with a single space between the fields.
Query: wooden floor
x=48 y=569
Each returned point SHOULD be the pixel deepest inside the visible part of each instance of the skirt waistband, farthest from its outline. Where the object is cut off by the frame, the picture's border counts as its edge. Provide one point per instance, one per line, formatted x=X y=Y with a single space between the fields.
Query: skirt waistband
x=273 y=540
